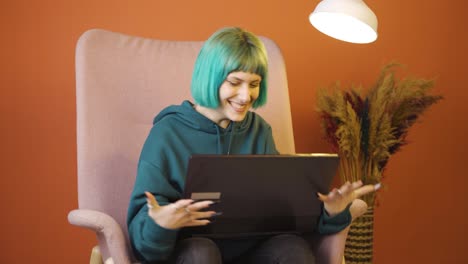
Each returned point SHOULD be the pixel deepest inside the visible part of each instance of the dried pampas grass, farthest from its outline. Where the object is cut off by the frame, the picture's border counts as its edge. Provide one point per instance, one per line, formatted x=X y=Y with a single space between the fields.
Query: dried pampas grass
x=366 y=129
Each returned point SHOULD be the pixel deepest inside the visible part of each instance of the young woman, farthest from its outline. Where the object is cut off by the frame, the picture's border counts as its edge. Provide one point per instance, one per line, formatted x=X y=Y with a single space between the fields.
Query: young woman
x=229 y=78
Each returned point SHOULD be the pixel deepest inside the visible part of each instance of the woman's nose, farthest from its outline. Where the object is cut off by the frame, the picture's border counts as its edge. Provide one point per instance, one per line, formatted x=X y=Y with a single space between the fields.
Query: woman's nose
x=245 y=93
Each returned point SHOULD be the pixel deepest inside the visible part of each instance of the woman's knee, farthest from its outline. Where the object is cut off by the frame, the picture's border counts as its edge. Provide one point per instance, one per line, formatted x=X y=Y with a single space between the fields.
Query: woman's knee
x=197 y=251
x=286 y=249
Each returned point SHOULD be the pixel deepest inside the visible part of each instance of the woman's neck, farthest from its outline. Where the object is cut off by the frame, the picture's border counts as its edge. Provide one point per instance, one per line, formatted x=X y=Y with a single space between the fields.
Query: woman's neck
x=213 y=115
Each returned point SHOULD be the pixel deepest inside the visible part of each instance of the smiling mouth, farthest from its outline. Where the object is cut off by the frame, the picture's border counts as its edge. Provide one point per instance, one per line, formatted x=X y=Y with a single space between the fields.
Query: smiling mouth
x=239 y=108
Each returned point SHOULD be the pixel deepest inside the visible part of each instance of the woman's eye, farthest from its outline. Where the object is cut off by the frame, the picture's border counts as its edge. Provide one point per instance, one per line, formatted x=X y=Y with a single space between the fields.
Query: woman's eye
x=233 y=83
x=253 y=85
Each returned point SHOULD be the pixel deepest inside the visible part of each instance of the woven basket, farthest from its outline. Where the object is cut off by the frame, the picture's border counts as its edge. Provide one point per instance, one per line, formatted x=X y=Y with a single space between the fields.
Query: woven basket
x=359 y=244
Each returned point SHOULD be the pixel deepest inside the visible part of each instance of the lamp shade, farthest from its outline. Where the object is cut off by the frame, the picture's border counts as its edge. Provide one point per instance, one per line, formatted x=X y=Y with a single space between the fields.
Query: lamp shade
x=347 y=20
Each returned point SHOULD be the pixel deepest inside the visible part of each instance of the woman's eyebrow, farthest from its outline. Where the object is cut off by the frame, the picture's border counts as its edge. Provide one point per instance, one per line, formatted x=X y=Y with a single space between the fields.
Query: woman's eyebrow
x=240 y=79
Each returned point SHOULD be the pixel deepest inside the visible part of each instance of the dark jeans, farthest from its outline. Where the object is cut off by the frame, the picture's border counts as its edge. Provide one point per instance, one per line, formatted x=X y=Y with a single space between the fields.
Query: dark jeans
x=280 y=249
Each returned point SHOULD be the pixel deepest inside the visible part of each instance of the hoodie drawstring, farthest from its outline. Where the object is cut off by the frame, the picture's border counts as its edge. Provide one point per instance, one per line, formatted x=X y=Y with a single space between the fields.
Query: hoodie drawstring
x=218 y=135
x=231 y=136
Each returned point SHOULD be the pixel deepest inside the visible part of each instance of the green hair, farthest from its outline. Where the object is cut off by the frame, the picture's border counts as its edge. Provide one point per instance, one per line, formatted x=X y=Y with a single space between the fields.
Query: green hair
x=228 y=50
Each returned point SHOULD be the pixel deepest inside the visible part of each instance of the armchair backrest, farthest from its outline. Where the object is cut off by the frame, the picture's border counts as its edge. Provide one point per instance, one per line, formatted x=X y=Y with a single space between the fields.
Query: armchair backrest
x=122 y=82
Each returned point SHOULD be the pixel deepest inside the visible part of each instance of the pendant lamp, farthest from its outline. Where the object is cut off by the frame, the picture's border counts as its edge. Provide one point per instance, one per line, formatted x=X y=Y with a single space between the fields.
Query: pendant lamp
x=347 y=20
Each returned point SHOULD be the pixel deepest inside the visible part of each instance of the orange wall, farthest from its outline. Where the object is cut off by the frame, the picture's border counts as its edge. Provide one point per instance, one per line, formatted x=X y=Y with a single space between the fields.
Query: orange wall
x=422 y=214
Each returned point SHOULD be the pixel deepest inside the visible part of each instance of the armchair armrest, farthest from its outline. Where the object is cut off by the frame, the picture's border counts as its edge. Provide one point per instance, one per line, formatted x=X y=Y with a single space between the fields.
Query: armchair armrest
x=330 y=249
x=107 y=230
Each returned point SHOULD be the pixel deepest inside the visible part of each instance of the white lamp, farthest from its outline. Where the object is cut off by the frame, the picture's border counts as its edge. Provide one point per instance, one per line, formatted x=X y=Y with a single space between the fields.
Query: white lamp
x=347 y=20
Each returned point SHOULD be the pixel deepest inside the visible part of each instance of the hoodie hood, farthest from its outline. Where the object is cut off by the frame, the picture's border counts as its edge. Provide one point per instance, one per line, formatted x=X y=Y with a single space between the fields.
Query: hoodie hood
x=193 y=119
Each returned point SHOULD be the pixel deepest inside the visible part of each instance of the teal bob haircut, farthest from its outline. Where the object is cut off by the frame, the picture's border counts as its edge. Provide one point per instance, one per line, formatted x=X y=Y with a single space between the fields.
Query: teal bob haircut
x=228 y=50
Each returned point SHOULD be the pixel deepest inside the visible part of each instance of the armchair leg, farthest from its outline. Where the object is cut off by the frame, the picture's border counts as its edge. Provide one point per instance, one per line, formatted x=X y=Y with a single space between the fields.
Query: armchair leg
x=96 y=257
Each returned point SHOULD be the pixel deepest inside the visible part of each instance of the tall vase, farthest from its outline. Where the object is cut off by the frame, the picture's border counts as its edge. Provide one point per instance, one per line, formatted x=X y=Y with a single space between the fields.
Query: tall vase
x=359 y=243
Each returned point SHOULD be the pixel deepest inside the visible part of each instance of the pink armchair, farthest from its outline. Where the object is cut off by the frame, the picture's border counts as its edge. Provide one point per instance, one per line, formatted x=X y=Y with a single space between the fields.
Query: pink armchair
x=121 y=83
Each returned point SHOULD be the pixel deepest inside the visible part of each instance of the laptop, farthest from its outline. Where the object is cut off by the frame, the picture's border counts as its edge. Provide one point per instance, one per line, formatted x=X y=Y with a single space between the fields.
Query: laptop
x=259 y=194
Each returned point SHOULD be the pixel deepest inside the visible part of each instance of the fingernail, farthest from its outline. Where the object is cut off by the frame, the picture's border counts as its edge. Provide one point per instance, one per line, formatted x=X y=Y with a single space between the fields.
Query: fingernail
x=377 y=186
x=216 y=214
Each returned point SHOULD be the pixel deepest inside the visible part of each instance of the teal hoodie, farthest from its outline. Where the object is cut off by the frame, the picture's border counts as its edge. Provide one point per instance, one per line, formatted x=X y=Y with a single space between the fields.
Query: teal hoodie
x=177 y=133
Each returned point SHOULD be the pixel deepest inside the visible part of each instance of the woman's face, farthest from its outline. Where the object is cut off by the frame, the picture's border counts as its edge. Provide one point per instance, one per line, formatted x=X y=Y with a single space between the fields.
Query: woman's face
x=236 y=96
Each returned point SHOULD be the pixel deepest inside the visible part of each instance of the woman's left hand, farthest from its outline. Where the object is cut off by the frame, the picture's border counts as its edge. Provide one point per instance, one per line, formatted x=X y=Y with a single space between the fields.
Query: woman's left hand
x=337 y=200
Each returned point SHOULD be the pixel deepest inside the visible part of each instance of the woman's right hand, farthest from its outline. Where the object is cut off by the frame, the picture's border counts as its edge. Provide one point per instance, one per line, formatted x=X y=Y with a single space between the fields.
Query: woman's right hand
x=176 y=215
